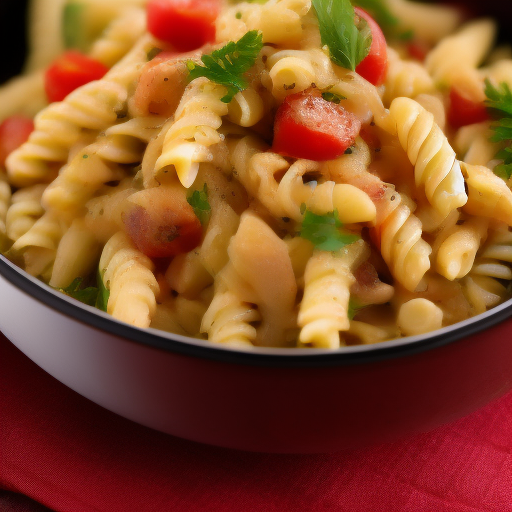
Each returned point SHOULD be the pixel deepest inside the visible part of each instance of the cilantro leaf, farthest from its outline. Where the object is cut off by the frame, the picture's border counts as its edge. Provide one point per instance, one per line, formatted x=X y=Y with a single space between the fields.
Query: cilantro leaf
x=324 y=231
x=227 y=65
x=333 y=98
x=499 y=104
x=348 y=43
x=199 y=202
x=92 y=296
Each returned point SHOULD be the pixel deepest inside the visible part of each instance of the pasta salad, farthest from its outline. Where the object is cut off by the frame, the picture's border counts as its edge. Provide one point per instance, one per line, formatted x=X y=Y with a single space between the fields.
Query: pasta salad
x=280 y=173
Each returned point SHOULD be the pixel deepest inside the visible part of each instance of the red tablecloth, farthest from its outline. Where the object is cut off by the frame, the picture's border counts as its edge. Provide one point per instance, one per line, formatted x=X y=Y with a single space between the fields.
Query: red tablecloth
x=71 y=455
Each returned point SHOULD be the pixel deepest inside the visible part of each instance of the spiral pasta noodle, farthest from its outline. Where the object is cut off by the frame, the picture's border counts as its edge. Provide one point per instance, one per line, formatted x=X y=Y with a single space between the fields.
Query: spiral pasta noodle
x=435 y=165
x=129 y=277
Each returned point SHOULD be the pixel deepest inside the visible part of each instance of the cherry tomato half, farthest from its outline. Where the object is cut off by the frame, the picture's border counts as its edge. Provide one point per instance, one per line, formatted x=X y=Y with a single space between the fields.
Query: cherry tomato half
x=70 y=71
x=307 y=126
x=14 y=131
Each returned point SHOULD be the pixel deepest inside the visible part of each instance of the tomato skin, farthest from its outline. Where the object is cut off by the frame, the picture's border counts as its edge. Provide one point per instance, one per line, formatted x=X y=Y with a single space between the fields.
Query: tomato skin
x=464 y=110
x=307 y=126
x=70 y=71
x=374 y=66
x=186 y=24
x=161 y=223
x=14 y=131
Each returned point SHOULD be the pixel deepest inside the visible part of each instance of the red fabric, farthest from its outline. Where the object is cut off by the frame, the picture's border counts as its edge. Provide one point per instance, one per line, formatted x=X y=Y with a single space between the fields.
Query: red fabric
x=71 y=455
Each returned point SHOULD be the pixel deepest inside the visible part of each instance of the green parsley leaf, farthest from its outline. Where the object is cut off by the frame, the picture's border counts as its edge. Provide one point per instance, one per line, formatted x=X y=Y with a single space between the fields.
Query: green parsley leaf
x=227 y=65
x=499 y=104
x=92 y=296
x=380 y=12
x=103 y=292
x=86 y=295
x=324 y=231
x=199 y=202
x=348 y=43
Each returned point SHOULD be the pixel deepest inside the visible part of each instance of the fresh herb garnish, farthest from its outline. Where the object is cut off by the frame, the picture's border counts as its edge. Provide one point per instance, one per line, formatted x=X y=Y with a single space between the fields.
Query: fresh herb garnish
x=347 y=42
x=92 y=296
x=333 y=98
x=499 y=104
x=199 y=202
x=325 y=232
x=353 y=308
x=227 y=65
x=380 y=12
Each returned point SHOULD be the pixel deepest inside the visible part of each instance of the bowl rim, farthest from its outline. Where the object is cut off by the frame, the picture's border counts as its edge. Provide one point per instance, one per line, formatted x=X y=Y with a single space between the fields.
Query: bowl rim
x=253 y=356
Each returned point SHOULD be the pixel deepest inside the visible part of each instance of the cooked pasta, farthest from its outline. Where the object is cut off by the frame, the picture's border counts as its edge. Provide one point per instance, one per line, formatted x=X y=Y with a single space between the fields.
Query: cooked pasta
x=266 y=183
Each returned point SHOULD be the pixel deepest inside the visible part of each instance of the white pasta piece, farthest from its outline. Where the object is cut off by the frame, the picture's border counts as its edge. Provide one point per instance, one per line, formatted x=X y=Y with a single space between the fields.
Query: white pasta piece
x=228 y=320
x=23 y=95
x=24 y=210
x=246 y=108
x=495 y=258
x=419 y=316
x=128 y=274
x=483 y=292
x=76 y=256
x=94 y=165
x=5 y=201
x=197 y=120
x=323 y=311
x=456 y=254
x=464 y=50
x=430 y=22
x=488 y=195
x=280 y=21
x=405 y=78
x=473 y=144
x=435 y=166
x=119 y=37
x=398 y=230
x=94 y=106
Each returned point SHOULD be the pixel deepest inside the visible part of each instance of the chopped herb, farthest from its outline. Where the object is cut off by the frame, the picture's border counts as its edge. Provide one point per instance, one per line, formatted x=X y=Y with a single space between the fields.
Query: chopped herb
x=153 y=53
x=227 y=65
x=333 y=98
x=347 y=42
x=499 y=105
x=199 y=202
x=238 y=15
x=92 y=296
x=325 y=232
x=353 y=308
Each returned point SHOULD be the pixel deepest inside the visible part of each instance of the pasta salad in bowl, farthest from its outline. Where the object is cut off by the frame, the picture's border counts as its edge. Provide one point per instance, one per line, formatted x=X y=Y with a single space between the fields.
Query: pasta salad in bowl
x=207 y=206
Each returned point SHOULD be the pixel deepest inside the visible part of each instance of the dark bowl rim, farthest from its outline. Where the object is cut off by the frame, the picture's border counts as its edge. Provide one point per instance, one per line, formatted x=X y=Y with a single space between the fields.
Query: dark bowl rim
x=288 y=357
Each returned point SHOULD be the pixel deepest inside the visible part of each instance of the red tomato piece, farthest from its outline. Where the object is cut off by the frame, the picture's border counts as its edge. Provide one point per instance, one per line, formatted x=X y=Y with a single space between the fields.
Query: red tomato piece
x=70 y=71
x=307 y=126
x=161 y=223
x=418 y=50
x=464 y=109
x=374 y=66
x=14 y=131
x=186 y=24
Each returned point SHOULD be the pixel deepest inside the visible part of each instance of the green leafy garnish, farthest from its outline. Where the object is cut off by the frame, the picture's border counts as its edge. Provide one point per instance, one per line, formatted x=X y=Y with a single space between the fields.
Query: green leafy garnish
x=347 y=42
x=333 y=98
x=227 y=65
x=325 y=232
x=92 y=296
x=353 y=308
x=380 y=12
x=499 y=104
x=199 y=202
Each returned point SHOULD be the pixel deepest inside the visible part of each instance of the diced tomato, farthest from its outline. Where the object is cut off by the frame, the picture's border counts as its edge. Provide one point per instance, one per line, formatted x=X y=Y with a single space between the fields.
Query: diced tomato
x=375 y=65
x=161 y=223
x=307 y=126
x=418 y=50
x=70 y=71
x=14 y=131
x=464 y=109
x=186 y=24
